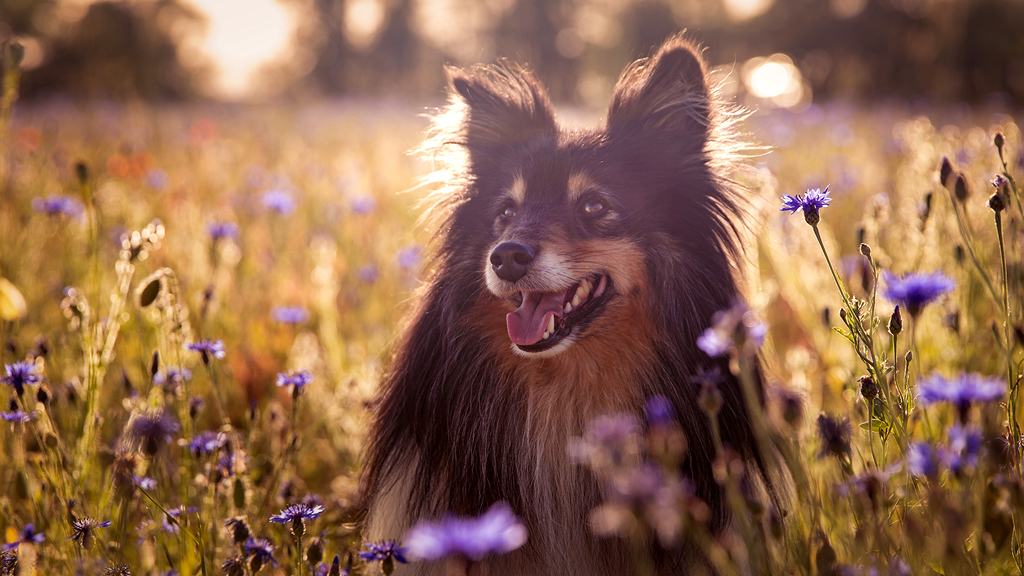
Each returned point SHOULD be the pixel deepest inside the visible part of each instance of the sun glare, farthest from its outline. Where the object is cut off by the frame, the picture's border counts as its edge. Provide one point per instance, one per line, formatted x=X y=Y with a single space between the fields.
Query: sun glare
x=242 y=36
x=776 y=80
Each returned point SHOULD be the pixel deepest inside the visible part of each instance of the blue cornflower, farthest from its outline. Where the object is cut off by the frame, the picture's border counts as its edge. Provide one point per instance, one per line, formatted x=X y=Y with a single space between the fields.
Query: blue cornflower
x=960 y=391
x=659 y=410
x=922 y=460
x=963 y=450
x=810 y=203
x=145 y=430
x=498 y=531
x=208 y=348
x=234 y=566
x=296 y=379
x=279 y=201
x=20 y=374
x=206 y=442
x=144 y=482
x=27 y=534
x=385 y=552
x=363 y=204
x=218 y=230
x=409 y=256
x=296 y=514
x=82 y=530
x=735 y=327
x=157 y=179
x=172 y=378
x=57 y=205
x=289 y=314
x=915 y=291
x=368 y=273
x=259 y=551
x=176 y=513
x=18 y=416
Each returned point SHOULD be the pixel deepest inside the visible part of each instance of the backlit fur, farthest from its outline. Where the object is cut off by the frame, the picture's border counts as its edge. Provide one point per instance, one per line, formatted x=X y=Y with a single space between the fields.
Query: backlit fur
x=464 y=418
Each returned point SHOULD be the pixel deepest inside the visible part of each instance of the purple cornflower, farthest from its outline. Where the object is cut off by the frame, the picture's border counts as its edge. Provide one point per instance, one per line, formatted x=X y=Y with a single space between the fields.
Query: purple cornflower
x=145 y=430
x=260 y=551
x=922 y=460
x=408 y=257
x=497 y=531
x=810 y=203
x=296 y=379
x=144 y=482
x=172 y=375
x=234 y=566
x=279 y=201
x=176 y=513
x=386 y=552
x=368 y=273
x=218 y=230
x=611 y=442
x=963 y=450
x=289 y=314
x=659 y=410
x=57 y=205
x=915 y=291
x=27 y=534
x=363 y=204
x=735 y=327
x=157 y=179
x=208 y=348
x=82 y=530
x=960 y=391
x=206 y=442
x=20 y=374
x=18 y=416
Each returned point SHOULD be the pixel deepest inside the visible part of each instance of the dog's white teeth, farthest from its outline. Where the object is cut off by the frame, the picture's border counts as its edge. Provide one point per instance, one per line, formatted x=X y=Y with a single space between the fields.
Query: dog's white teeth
x=601 y=286
x=575 y=300
x=551 y=324
x=584 y=290
x=568 y=307
x=546 y=335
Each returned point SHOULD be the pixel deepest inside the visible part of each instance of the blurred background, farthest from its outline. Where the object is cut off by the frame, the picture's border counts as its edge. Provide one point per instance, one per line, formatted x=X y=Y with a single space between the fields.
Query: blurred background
x=775 y=53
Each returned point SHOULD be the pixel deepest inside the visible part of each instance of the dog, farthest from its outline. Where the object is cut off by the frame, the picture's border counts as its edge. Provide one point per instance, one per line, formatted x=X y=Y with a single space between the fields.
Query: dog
x=573 y=272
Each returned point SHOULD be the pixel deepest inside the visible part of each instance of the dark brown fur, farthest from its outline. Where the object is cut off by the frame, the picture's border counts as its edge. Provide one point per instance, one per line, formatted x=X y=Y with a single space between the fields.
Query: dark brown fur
x=462 y=421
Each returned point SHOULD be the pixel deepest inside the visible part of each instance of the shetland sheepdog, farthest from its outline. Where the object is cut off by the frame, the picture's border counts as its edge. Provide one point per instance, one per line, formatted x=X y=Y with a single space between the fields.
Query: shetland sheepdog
x=572 y=273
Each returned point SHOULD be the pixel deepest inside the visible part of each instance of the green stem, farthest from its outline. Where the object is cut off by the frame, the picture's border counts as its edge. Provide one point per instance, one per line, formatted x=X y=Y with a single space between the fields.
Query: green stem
x=1011 y=381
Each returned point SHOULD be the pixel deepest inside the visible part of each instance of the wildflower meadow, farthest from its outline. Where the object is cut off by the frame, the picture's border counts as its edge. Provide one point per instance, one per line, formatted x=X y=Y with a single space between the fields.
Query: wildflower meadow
x=197 y=302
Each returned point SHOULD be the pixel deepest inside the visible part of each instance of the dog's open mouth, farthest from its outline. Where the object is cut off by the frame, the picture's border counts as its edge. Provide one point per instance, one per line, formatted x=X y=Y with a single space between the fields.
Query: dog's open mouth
x=543 y=319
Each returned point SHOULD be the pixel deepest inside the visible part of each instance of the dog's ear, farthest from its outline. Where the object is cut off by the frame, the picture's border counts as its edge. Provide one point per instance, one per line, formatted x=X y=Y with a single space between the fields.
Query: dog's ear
x=500 y=106
x=667 y=91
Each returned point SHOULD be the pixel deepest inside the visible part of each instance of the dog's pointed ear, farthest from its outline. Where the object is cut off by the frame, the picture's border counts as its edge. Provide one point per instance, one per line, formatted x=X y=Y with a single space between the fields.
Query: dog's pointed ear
x=667 y=91
x=500 y=106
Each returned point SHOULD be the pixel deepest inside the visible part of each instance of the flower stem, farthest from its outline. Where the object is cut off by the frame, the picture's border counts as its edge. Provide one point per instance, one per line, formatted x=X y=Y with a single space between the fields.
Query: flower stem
x=1012 y=399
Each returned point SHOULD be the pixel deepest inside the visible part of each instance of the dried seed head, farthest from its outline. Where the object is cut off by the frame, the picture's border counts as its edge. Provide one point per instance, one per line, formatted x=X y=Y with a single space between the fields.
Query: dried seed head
x=945 y=170
x=960 y=189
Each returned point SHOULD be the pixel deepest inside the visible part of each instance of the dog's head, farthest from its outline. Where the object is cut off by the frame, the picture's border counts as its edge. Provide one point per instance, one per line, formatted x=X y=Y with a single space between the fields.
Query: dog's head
x=568 y=229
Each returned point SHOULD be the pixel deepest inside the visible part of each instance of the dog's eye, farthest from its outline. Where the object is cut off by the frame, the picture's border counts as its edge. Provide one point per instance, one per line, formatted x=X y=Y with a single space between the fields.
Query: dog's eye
x=508 y=212
x=593 y=208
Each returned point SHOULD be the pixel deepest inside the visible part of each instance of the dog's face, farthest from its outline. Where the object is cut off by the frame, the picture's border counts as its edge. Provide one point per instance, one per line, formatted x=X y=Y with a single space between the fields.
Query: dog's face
x=573 y=217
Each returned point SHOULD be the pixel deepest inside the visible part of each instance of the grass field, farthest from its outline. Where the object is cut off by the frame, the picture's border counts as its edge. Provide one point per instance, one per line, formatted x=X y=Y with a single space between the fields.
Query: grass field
x=283 y=234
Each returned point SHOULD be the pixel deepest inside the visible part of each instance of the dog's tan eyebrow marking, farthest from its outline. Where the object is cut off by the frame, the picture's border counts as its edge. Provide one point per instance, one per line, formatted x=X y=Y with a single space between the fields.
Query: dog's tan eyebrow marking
x=517 y=191
x=577 y=185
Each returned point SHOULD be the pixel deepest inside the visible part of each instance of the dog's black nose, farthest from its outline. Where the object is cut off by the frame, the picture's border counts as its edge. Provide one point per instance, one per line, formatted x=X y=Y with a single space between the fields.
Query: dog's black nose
x=511 y=260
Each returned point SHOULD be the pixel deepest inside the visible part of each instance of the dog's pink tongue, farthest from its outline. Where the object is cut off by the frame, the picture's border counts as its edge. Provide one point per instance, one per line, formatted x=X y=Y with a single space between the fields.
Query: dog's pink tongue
x=527 y=324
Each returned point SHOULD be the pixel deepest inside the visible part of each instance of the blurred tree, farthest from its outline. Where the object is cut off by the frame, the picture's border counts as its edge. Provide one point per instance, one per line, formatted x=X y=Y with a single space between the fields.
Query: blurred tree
x=123 y=50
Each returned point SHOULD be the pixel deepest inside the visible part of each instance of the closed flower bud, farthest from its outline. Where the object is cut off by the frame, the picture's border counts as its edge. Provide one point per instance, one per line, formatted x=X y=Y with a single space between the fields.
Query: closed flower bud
x=710 y=399
x=82 y=171
x=896 y=322
x=945 y=170
x=154 y=365
x=865 y=250
x=960 y=190
x=868 y=388
x=910 y=356
x=996 y=203
x=999 y=141
x=842 y=314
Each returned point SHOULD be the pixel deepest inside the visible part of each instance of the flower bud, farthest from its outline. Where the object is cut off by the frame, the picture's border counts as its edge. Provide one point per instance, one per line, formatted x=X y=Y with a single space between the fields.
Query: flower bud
x=996 y=203
x=868 y=388
x=865 y=250
x=960 y=189
x=15 y=54
x=82 y=171
x=154 y=365
x=896 y=322
x=910 y=356
x=999 y=141
x=945 y=170
x=710 y=399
